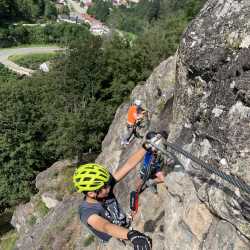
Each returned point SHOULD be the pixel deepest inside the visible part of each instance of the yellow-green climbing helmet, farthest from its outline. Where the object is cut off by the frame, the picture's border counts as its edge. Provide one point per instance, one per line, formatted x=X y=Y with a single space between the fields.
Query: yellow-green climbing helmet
x=90 y=177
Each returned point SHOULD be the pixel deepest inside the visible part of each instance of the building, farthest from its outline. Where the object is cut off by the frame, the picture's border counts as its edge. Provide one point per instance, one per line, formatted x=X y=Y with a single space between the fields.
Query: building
x=99 y=29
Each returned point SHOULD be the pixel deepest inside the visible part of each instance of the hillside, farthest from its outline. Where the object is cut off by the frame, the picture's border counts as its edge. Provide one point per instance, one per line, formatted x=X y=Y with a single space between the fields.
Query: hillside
x=205 y=106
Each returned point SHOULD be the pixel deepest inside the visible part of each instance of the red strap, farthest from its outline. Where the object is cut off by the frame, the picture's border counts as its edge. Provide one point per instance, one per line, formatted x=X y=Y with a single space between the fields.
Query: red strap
x=134 y=201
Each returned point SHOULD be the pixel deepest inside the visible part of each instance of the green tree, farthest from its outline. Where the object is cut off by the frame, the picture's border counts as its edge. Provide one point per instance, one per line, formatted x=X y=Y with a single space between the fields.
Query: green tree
x=20 y=149
x=76 y=83
x=19 y=34
x=5 y=9
x=27 y=9
x=154 y=11
x=100 y=9
x=50 y=11
x=41 y=7
x=6 y=75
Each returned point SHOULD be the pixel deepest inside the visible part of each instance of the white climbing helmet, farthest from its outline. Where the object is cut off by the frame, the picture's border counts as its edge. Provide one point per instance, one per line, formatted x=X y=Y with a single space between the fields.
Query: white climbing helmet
x=137 y=102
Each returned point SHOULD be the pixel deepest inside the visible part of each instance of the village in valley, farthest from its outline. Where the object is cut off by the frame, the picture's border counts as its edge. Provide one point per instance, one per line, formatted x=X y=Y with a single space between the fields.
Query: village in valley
x=78 y=14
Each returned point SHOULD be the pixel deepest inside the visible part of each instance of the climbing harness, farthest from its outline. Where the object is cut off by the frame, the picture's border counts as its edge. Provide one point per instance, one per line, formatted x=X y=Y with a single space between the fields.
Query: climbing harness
x=134 y=201
x=139 y=128
x=134 y=195
x=142 y=123
x=209 y=168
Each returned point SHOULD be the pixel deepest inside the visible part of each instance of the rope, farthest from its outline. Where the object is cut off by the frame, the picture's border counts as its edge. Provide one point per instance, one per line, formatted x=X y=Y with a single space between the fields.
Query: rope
x=146 y=177
x=209 y=168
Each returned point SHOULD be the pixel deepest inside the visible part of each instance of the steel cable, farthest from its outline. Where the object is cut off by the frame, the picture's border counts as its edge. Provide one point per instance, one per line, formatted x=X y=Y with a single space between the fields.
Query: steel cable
x=211 y=169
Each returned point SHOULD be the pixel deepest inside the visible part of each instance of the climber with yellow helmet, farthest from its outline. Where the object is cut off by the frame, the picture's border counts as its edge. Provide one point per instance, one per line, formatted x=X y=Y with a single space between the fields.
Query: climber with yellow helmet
x=100 y=210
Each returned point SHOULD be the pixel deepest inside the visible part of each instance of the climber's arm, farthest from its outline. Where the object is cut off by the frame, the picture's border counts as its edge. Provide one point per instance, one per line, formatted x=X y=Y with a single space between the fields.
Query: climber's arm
x=130 y=164
x=102 y=225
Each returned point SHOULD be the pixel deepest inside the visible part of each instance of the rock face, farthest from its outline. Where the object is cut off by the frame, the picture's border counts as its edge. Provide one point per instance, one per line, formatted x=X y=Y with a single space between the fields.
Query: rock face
x=50 y=220
x=209 y=116
x=212 y=107
x=157 y=96
x=159 y=104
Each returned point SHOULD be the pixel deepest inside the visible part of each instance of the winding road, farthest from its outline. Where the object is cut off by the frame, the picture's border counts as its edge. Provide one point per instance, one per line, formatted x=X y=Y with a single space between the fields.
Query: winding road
x=6 y=53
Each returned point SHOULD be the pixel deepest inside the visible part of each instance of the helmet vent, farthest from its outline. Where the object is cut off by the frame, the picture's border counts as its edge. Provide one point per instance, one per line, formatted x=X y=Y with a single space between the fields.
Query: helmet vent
x=90 y=177
x=87 y=179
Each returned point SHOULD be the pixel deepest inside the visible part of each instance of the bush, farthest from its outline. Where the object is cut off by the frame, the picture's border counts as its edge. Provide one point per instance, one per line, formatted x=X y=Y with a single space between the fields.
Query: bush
x=8 y=241
x=32 y=220
x=6 y=74
x=41 y=208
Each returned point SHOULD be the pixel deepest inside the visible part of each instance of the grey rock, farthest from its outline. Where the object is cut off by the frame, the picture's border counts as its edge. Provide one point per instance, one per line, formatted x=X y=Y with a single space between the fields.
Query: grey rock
x=218 y=239
x=187 y=219
x=49 y=199
x=60 y=229
x=215 y=49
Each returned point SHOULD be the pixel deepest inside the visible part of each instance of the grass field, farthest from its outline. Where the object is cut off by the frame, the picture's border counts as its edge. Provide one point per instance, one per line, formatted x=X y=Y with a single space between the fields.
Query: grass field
x=33 y=61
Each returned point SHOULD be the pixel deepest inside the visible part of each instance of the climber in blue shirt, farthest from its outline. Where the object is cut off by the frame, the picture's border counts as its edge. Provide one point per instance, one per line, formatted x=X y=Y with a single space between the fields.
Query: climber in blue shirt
x=151 y=170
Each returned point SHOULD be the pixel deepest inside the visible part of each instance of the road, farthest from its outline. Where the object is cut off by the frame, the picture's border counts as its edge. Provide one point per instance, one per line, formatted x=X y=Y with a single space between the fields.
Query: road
x=6 y=53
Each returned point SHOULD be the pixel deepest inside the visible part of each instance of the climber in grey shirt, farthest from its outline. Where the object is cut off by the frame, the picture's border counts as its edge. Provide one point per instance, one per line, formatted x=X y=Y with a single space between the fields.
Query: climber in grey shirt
x=109 y=209
x=100 y=211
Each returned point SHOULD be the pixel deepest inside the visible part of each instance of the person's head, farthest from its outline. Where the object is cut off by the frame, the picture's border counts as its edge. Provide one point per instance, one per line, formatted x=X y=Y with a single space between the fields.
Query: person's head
x=138 y=102
x=93 y=180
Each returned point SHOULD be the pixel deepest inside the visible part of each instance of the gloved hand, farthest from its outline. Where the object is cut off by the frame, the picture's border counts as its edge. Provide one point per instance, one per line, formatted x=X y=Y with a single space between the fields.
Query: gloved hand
x=139 y=240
